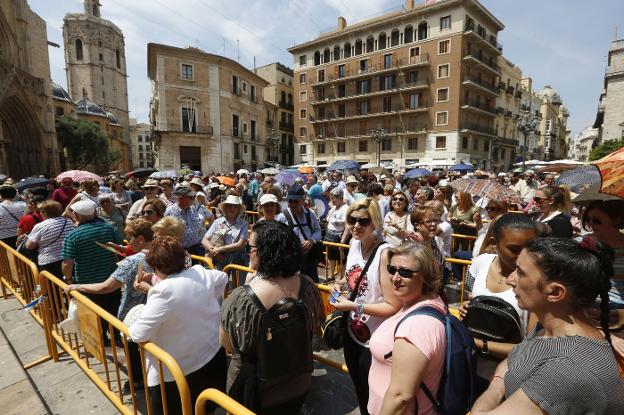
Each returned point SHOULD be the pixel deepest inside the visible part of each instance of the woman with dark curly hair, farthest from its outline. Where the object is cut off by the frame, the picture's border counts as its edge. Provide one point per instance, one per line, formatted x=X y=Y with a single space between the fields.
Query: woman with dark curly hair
x=275 y=253
x=567 y=365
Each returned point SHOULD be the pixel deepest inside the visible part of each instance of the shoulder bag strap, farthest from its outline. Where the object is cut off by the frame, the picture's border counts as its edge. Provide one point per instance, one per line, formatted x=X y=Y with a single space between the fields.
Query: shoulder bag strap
x=363 y=273
x=254 y=297
x=300 y=226
x=60 y=233
x=289 y=218
x=9 y=212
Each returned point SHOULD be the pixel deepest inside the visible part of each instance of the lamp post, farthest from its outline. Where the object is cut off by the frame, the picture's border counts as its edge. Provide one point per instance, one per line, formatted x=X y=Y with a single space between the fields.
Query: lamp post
x=379 y=134
x=273 y=143
x=527 y=125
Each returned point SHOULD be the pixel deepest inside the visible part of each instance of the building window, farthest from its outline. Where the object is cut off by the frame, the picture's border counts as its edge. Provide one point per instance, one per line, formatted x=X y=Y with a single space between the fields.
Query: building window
x=408 y=34
x=443 y=94
x=414 y=54
x=101 y=57
x=188 y=120
x=387 y=104
x=386 y=82
x=386 y=144
x=303 y=149
x=303 y=113
x=363 y=107
x=342 y=72
x=412 y=143
x=440 y=142
x=244 y=86
x=342 y=90
x=341 y=110
x=363 y=87
x=321 y=75
x=444 y=46
x=252 y=93
x=302 y=132
x=442 y=118
x=363 y=146
x=237 y=151
x=388 y=61
x=381 y=42
x=60 y=111
x=234 y=125
x=341 y=147
x=235 y=84
x=423 y=31
x=364 y=65
x=140 y=138
x=475 y=143
x=413 y=101
x=141 y=149
x=302 y=60
x=465 y=143
x=320 y=148
x=252 y=132
x=445 y=22
x=303 y=96
x=444 y=71
x=141 y=164
x=254 y=155
x=412 y=77
x=187 y=71
x=78 y=49
x=118 y=58
x=302 y=78
x=486 y=145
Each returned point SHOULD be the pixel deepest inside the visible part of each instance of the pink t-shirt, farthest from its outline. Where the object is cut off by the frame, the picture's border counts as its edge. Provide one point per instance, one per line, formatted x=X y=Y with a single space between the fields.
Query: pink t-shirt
x=428 y=335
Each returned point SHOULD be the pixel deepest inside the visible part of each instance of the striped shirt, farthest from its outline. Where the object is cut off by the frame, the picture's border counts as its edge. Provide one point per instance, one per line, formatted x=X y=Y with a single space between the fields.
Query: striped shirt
x=10 y=214
x=49 y=236
x=91 y=262
x=194 y=219
x=566 y=375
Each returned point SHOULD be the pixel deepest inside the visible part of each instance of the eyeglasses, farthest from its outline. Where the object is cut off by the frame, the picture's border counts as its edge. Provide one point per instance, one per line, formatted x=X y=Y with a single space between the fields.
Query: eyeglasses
x=398 y=199
x=593 y=221
x=147 y=212
x=351 y=220
x=430 y=222
x=491 y=208
x=538 y=199
x=403 y=272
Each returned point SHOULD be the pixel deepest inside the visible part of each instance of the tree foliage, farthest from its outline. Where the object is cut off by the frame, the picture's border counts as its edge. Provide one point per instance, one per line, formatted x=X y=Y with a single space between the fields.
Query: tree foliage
x=605 y=149
x=86 y=144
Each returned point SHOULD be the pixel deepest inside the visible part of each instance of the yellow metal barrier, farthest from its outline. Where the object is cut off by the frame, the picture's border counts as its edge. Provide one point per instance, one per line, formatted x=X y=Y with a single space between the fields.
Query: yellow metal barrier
x=221 y=399
x=234 y=271
x=204 y=260
x=467 y=240
x=464 y=264
x=343 y=248
x=325 y=291
x=107 y=366
x=252 y=217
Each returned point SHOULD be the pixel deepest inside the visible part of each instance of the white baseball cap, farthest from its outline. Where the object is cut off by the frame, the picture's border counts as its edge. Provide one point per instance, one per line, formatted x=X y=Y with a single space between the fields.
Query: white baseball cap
x=268 y=198
x=84 y=207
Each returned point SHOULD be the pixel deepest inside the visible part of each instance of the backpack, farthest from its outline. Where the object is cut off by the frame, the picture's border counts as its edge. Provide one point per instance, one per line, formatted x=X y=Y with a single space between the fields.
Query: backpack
x=494 y=319
x=284 y=346
x=457 y=391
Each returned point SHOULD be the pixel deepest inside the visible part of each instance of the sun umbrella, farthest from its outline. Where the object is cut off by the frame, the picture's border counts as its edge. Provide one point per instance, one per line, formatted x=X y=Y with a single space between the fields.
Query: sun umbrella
x=184 y=172
x=228 y=181
x=306 y=169
x=579 y=177
x=462 y=167
x=271 y=171
x=491 y=189
x=3 y=177
x=141 y=172
x=242 y=171
x=288 y=177
x=165 y=174
x=593 y=193
x=416 y=173
x=30 y=182
x=611 y=170
x=348 y=165
x=78 y=176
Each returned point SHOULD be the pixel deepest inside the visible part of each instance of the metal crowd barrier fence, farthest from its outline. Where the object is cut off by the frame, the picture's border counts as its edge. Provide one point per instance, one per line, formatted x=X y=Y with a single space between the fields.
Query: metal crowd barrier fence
x=343 y=248
x=108 y=364
x=204 y=260
x=464 y=267
x=214 y=395
x=252 y=217
x=458 y=238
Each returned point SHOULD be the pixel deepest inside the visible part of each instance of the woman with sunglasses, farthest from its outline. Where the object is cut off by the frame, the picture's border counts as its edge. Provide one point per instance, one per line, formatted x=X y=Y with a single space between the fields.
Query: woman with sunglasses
x=425 y=220
x=374 y=299
x=566 y=365
x=554 y=204
x=419 y=343
x=397 y=225
x=153 y=210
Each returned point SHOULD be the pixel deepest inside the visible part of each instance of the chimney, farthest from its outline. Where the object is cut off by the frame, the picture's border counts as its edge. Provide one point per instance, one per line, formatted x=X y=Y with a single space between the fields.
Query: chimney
x=409 y=4
x=342 y=23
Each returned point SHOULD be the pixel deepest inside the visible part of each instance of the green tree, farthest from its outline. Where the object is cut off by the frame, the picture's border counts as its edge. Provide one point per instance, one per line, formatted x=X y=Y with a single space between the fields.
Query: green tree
x=605 y=149
x=86 y=144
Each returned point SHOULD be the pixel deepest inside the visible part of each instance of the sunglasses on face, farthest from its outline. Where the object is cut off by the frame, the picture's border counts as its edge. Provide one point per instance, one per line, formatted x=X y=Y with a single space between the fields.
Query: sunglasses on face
x=398 y=199
x=351 y=220
x=403 y=272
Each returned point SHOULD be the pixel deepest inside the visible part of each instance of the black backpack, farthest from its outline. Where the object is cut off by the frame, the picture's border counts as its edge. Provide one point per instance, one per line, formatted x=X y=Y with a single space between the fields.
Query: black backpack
x=284 y=344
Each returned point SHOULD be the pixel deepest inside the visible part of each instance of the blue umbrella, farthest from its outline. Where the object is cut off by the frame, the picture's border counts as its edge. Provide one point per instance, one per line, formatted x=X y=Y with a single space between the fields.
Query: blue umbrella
x=288 y=177
x=30 y=182
x=165 y=174
x=462 y=167
x=416 y=173
x=350 y=165
x=577 y=178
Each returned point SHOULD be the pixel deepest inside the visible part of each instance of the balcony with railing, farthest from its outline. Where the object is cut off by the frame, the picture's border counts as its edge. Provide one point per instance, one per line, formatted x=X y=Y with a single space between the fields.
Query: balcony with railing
x=478 y=106
x=180 y=128
x=286 y=105
x=287 y=126
x=374 y=111
x=411 y=127
x=479 y=59
x=471 y=126
x=510 y=90
x=518 y=94
x=491 y=41
x=480 y=83
x=352 y=92
x=374 y=69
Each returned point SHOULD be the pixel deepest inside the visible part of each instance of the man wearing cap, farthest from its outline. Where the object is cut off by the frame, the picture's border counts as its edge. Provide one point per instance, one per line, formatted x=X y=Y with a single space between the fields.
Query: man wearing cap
x=306 y=226
x=11 y=212
x=84 y=261
x=150 y=191
x=349 y=190
x=193 y=217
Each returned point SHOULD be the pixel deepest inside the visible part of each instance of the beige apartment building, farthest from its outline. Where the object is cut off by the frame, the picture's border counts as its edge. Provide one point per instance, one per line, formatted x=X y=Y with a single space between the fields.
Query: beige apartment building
x=207 y=111
x=553 y=128
x=425 y=78
x=279 y=93
x=610 y=117
x=508 y=107
x=141 y=142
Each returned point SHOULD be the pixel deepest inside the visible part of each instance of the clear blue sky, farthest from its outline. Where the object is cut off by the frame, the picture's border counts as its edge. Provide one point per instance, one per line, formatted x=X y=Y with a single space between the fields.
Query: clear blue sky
x=562 y=43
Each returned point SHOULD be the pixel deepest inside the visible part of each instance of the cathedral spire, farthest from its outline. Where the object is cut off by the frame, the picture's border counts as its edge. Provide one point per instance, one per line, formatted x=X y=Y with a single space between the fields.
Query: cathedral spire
x=92 y=8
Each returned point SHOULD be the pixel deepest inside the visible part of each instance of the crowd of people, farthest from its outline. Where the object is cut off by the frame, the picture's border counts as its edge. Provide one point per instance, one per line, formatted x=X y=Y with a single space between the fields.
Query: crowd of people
x=550 y=271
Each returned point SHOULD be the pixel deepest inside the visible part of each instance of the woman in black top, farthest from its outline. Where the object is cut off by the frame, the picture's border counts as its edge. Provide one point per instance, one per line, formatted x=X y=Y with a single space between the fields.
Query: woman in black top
x=554 y=203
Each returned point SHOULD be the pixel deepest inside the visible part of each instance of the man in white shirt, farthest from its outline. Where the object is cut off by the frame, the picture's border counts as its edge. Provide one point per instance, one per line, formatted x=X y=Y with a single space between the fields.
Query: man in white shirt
x=526 y=188
x=10 y=214
x=349 y=190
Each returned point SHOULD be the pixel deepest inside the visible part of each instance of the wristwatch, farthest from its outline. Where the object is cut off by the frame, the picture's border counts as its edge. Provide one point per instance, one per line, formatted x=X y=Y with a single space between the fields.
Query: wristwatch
x=484 y=349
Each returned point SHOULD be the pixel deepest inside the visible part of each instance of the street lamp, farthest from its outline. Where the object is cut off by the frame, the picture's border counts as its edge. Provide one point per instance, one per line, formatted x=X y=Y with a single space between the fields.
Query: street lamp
x=273 y=142
x=379 y=134
x=527 y=125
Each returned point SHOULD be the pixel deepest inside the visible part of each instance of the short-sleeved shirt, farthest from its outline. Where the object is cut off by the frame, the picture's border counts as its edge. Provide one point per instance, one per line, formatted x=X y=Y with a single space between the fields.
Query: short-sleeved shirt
x=92 y=263
x=240 y=318
x=10 y=215
x=28 y=222
x=232 y=233
x=194 y=222
x=126 y=273
x=64 y=195
x=427 y=334
x=566 y=375
x=49 y=236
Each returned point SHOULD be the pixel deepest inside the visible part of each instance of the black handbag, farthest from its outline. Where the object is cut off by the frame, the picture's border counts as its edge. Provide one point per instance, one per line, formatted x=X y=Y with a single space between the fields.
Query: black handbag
x=493 y=319
x=335 y=325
